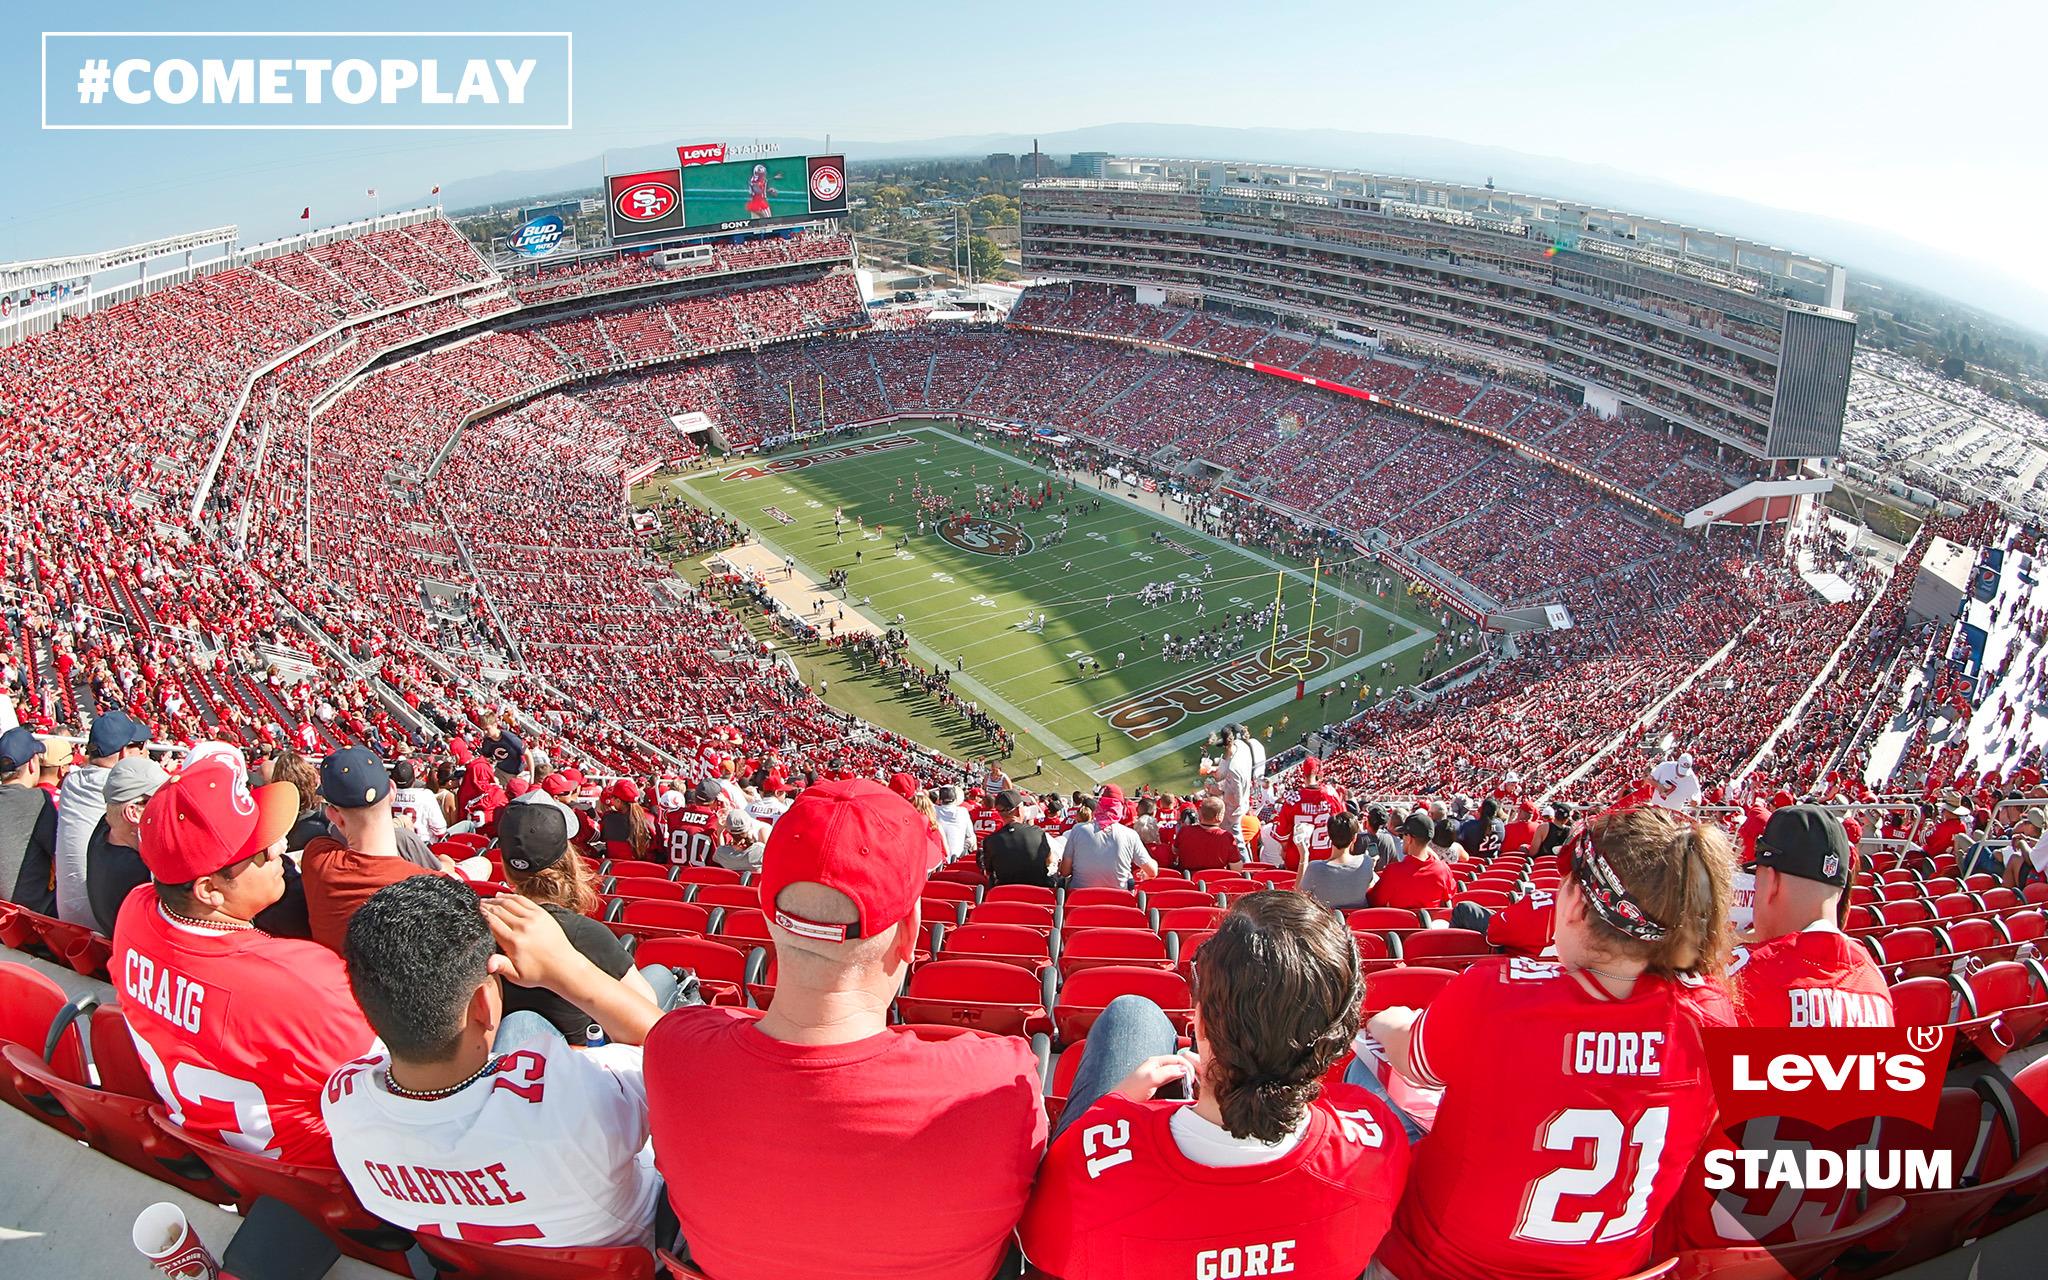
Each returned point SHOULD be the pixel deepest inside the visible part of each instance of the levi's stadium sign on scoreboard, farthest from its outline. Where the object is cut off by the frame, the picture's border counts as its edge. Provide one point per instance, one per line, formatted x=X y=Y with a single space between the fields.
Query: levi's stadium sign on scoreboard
x=708 y=191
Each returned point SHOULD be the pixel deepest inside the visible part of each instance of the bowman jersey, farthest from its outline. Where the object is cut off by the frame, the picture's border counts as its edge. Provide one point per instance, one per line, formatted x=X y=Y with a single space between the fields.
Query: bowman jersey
x=1567 y=1123
x=693 y=834
x=1815 y=978
x=1116 y=1198
x=548 y=1149
x=239 y=1030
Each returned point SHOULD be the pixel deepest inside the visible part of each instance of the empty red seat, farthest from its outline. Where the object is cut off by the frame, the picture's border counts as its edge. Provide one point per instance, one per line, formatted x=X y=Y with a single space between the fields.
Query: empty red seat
x=707 y=874
x=1914 y=951
x=1383 y=919
x=647 y=918
x=1030 y=915
x=2024 y=926
x=1413 y=986
x=1979 y=937
x=1168 y=899
x=1906 y=911
x=1090 y=948
x=947 y=891
x=1076 y=919
x=464 y=1259
x=1183 y=919
x=1999 y=899
x=1426 y=945
x=646 y=887
x=2019 y=1128
x=1037 y=895
x=726 y=895
x=721 y=969
x=986 y=995
x=29 y=1006
x=1013 y=944
x=1922 y=1002
x=1950 y=905
x=1100 y=898
x=2004 y=1006
x=742 y=928
x=1087 y=993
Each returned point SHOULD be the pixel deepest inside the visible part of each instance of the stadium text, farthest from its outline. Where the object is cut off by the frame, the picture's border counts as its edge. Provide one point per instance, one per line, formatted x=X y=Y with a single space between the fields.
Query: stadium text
x=1820 y=1169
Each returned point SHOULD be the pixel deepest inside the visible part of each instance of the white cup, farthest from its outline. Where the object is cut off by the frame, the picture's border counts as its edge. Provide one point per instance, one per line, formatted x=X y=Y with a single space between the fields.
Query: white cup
x=163 y=1235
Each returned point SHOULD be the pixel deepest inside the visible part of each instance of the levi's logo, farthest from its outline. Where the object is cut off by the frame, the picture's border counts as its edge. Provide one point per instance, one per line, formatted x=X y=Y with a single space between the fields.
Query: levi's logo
x=1827 y=1076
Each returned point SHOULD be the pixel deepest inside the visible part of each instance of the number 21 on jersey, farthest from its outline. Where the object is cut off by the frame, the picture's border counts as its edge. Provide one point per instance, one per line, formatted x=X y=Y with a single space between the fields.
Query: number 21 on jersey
x=1545 y=1221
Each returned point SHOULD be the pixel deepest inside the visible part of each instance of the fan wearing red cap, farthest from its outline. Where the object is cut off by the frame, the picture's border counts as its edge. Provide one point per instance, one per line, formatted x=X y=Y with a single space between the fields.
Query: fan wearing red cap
x=874 y=1123
x=1302 y=827
x=241 y=1029
x=622 y=825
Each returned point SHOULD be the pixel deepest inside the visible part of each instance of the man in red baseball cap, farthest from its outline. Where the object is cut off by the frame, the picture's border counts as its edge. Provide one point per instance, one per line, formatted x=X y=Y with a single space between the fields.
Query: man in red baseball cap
x=872 y=1123
x=240 y=1029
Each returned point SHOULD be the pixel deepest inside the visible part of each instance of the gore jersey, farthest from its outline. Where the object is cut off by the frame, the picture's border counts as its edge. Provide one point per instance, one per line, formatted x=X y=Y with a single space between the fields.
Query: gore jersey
x=1116 y=1198
x=1567 y=1123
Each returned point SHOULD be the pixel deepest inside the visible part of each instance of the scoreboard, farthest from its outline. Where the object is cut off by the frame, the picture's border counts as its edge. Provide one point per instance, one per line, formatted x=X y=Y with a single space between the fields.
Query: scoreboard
x=704 y=192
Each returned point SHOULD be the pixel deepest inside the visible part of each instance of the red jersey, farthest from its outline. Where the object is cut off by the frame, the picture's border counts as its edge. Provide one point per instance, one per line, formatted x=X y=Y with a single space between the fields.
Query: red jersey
x=239 y=1030
x=1117 y=1198
x=1527 y=926
x=1415 y=883
x=986 y=822
x=692 y=834
x=1815 y=978
x=1200 y=848
x=916 y=1155
x=1309 y=807
x=1567 y=1123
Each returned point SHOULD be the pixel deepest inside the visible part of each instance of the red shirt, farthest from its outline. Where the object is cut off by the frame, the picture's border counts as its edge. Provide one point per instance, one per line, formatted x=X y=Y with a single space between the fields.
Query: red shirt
x=1548 y=1081
x=1116 y=1198
x=886 y=1157
x=1414 y=883
x=1815 y=978
x=1526 y=926
x=1517 y=836
x=1199 y=848
x=239 y=1030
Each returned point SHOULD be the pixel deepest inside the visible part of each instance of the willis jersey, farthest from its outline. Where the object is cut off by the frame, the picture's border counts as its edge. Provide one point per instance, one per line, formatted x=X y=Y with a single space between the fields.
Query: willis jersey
x=1116 y=1197
x=1306 y=811
x=1567 y=1123
x=549 y=1148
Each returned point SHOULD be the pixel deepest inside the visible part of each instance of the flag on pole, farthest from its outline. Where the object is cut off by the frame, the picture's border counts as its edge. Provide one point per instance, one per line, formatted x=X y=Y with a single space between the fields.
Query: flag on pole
x=373 y=193
x=306 y=213
x=437 y=189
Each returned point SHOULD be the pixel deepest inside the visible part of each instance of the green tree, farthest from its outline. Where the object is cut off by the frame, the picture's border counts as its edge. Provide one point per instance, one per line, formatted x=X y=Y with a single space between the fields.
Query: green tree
x=986 y=257
x=919 y=237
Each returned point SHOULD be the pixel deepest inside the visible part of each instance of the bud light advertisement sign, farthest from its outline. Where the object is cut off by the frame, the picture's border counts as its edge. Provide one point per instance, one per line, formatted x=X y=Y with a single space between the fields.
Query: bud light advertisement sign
x=539 y=237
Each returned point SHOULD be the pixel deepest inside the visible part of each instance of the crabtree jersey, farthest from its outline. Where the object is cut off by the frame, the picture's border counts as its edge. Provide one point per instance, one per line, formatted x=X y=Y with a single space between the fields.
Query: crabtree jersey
x=549 y=1148
x=1117 y=1198
x=1567 y=1123
x=239 y=1030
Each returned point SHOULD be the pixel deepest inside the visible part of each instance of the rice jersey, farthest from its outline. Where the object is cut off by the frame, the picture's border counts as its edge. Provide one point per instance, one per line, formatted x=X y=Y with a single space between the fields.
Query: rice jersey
x=693 y=835
x=1567 y=1123
x=549 y=1149
x=1117 y=1198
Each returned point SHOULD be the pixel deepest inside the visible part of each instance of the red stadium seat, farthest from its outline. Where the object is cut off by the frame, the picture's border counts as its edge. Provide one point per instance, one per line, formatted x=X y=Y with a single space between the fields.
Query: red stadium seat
x=29 y=1007
x=945 y=891
x=1411 y=985
x=986 y=995
x=721 y=969
x=1922 y=1002
x=640 y=868
x=942 y=911
x=1384 y=919
x=1099 y=898
x=1075 y=919
x=1951 y=905
x=1013 y=944
x=1797 y=1260
x=1030 y=915
x=462 y=1259
x=2025 y=926
x=726 y=895
x=1978 y=938
x=707 y=874
x=2004 y=1006
x=1999 y=899
x=741 y=928
x=83 y=950
x=646 y=887
x=1090 y=948
x=1086 y=994
x=1169 y=899
x=1913 y=910
x=2019 y=1128
x=1426 y=945
x=1183 y=918
x=1980 y=882
x=647 y=919
x=1914 y=951
x=1183 y=944
x=1936 y=1221
x=319 y=1193
x=1036 y=895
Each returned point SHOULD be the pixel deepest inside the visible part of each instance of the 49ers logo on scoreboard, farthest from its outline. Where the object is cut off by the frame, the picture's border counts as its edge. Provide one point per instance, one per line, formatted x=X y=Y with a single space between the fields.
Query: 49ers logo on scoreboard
x=985 y=537
x=646 y=202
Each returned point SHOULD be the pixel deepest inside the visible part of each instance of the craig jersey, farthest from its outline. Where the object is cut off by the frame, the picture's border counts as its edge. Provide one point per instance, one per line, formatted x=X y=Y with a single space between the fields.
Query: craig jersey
x=550 y=1148
x=1567 y=1123
x=239 y=1030
x=1117 y=1198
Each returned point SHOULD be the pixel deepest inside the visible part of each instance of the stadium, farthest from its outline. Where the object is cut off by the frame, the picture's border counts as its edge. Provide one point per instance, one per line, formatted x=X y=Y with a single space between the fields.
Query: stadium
x=1495 y=524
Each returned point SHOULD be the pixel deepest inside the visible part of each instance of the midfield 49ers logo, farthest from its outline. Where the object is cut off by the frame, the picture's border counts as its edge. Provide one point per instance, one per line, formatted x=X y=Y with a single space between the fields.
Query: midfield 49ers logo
x=985 y=537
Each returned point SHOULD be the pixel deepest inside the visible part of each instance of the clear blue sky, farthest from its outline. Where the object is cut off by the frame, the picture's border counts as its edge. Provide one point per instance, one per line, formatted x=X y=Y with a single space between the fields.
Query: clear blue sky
x=1921 y=119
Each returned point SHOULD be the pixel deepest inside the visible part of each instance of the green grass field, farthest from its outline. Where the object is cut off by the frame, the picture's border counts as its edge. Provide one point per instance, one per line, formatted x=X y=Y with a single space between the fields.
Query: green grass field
x=1144 y=720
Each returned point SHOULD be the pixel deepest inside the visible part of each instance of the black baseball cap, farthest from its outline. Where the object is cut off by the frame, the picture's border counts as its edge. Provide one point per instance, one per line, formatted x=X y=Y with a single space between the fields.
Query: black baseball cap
x=1418 y=824
x=1806 y=841
x=533 y=837
x=1009 y=801
x=353 y=778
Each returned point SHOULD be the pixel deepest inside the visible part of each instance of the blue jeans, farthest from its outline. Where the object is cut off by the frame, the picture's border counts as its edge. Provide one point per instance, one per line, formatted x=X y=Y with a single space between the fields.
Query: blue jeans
x=1129 y=1031
x=524 y=1023
x=1360 y=1074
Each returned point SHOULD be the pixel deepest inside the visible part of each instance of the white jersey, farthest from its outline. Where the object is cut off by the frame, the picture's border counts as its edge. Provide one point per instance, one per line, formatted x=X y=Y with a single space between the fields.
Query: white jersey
x=1684 y=787
x=551 y=1149
x=420 y=806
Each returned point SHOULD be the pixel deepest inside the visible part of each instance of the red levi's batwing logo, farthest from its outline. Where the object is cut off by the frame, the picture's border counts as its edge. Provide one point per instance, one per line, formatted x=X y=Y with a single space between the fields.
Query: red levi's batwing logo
x=701 y=153
x=1827 y=1076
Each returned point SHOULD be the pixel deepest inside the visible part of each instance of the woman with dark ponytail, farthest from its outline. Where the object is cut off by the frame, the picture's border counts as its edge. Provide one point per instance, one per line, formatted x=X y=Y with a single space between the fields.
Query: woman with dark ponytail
x=1266 y=1171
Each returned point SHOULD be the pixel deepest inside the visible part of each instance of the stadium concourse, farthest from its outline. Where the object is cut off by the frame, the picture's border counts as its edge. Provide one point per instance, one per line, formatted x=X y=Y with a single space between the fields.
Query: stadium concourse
x=361 y=512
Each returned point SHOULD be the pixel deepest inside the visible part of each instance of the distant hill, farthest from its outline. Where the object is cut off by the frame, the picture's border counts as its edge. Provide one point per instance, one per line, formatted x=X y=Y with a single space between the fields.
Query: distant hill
x=1839 y=239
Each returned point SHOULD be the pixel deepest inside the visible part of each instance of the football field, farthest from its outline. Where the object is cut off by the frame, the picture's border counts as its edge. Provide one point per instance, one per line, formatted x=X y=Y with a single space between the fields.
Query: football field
x=970 y=592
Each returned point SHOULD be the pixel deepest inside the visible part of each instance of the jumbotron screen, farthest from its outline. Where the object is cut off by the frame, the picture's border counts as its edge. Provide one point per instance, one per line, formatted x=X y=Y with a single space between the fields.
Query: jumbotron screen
x=751 y=193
